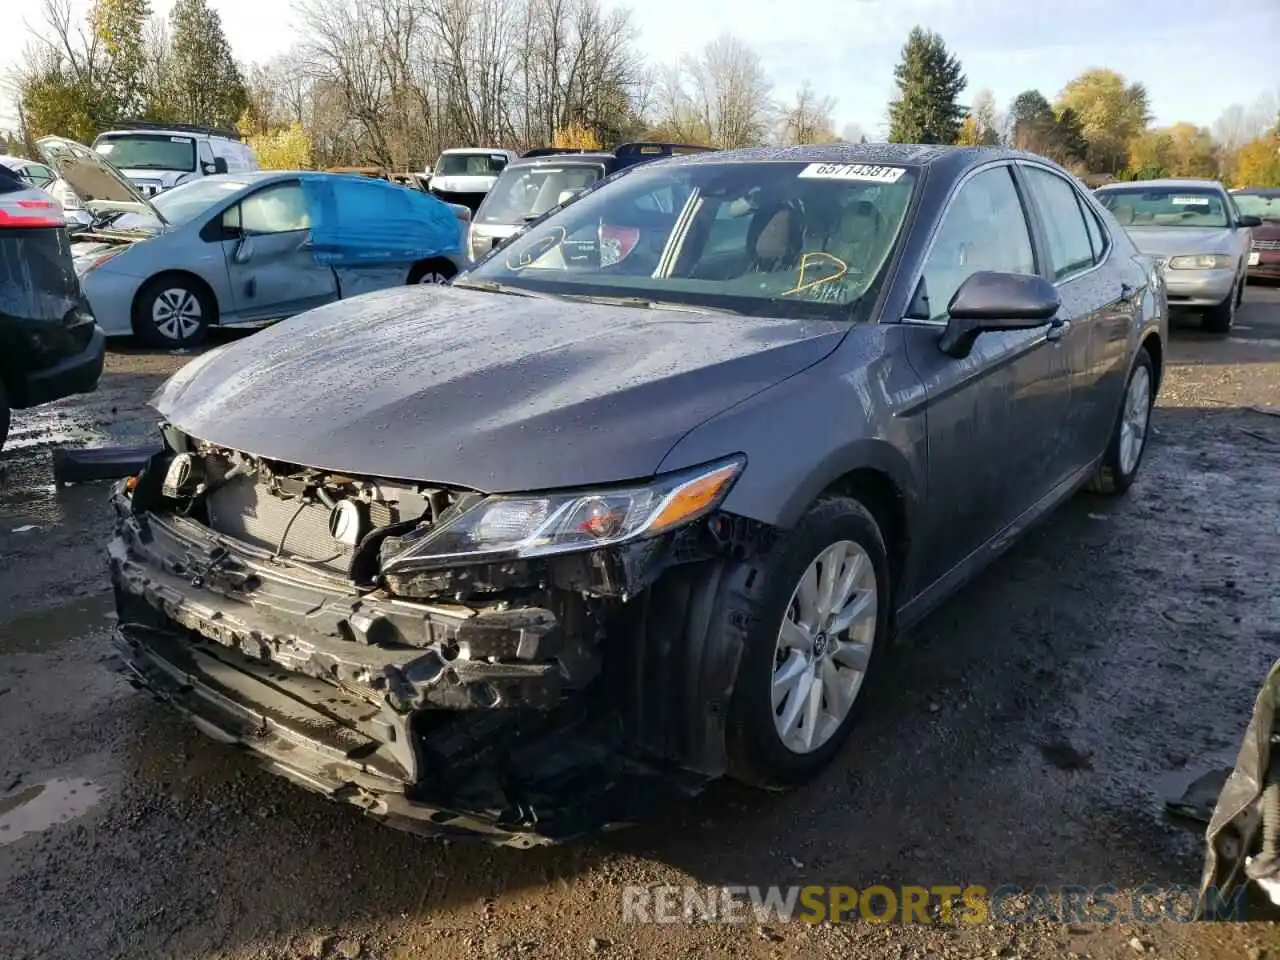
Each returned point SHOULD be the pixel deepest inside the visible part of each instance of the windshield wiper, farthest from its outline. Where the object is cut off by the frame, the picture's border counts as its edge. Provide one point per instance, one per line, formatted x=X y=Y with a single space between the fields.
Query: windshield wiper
x=645 y=304
x=489 y=286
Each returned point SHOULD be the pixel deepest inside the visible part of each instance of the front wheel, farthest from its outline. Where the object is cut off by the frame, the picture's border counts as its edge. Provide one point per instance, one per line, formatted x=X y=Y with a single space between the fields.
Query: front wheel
x=1120 y=463
x=822 y=621
x=1220 y=318
x=172 y=312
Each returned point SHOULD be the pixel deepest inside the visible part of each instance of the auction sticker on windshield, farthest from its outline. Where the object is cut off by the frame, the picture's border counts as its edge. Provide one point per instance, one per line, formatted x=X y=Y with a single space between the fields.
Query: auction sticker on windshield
x=1190 y=201
x=853 y=171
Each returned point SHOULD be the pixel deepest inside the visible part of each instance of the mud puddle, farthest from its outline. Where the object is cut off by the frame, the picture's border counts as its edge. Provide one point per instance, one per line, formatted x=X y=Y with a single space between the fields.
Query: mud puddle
x=48 y=629
x=43 y=805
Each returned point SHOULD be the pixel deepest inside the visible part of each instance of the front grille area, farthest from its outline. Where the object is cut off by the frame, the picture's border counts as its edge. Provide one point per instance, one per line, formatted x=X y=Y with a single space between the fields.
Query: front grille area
x=1266 y=244
x=250 y=512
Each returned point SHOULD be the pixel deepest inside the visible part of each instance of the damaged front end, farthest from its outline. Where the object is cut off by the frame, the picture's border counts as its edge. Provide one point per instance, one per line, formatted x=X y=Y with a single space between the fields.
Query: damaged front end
x=523 y=669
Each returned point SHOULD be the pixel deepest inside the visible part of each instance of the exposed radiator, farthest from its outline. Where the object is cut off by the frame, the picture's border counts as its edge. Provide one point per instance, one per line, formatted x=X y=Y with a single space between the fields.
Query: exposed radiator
x=248 y=511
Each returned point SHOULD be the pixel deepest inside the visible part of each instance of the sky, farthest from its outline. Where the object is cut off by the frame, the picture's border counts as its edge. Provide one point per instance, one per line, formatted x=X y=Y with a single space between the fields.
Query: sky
x=1196 y=57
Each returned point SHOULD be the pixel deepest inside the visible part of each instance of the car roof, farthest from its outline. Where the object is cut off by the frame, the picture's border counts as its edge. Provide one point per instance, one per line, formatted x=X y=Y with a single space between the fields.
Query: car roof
x=560 y=159
x=952 y=160
x=1249 y=191
x=1166 y=182
x=12 y=162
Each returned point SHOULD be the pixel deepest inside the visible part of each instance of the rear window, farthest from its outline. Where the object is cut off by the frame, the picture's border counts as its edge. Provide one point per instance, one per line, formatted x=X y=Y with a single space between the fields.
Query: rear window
x=37 y=277
x=469 y=164
x=526 y=193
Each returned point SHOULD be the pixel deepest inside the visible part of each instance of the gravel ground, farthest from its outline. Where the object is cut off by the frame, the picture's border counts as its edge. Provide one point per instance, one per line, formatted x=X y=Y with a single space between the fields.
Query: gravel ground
x=1025 y=734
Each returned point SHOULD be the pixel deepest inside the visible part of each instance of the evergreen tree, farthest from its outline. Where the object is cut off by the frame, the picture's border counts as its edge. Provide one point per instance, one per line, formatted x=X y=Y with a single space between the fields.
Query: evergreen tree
x=929 y=82
x=206 y=84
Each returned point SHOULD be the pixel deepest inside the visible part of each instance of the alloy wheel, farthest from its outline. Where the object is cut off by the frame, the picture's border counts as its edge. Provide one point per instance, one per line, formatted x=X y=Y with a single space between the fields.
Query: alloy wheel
x=1135 y=419
x=176 y=314
x=824 y=646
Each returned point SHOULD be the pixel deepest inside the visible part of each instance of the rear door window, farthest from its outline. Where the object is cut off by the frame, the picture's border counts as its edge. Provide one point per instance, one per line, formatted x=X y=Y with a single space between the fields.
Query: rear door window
x=1070 y=249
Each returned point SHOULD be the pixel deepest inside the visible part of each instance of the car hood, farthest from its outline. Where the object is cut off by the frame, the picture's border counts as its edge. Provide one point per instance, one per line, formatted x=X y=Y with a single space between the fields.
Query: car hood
x=1269 y=230
x=98 y=184
x=483 y=390
x=1172 y=241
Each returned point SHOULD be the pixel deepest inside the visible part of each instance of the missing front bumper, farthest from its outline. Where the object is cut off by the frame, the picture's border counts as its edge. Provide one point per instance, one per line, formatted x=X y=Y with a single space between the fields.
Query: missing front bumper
x=436 y=719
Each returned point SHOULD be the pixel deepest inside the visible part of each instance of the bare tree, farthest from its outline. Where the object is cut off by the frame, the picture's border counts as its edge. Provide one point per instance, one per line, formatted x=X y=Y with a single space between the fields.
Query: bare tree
x=722 y=93
x=807 y=119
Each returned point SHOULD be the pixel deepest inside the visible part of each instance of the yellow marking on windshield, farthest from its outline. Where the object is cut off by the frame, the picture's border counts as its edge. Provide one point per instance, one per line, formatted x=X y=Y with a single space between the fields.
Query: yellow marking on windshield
x=805 y=261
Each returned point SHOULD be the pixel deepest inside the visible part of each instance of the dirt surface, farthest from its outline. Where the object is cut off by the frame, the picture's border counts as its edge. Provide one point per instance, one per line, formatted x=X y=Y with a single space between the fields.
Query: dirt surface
x=1025 y=734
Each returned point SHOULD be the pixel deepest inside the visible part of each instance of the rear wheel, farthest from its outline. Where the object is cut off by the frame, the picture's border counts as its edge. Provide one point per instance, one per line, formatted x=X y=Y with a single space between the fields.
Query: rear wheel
x=172 y=312
x=1129 y=438
x=432 y=271
x=822 y=622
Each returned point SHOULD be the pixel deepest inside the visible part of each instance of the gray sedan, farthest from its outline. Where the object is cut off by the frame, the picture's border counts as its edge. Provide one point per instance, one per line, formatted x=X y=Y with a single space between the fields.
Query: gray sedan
x=641 y=499
x=1200 y=238
x=230 y=249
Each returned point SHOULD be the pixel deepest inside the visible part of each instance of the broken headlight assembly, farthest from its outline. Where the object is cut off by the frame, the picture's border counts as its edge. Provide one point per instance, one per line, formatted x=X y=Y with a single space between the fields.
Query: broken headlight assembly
x=501 y=528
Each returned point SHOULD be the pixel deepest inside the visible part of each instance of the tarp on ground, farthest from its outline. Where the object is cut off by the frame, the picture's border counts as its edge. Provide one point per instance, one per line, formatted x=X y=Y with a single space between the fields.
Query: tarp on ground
x=358 y=221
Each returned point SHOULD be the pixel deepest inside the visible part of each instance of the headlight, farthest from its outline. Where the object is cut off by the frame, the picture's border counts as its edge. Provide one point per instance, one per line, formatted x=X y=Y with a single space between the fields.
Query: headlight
x=85 y=264
x=504 y=528
x=1202 y=261
x=480 y=244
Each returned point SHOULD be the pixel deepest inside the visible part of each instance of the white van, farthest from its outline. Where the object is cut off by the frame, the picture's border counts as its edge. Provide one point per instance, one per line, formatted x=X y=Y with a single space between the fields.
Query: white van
x=465 y=174
x=157 y=156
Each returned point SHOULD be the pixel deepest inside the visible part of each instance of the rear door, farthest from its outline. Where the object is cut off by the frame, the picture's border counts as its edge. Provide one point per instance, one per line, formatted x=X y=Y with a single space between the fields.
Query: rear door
x=994 y=418
x=1100 y=297
x=270 y=266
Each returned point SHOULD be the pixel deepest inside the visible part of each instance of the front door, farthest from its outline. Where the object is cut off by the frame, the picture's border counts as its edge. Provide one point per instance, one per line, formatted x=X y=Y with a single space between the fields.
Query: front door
x=995 y=418
x=270 y=267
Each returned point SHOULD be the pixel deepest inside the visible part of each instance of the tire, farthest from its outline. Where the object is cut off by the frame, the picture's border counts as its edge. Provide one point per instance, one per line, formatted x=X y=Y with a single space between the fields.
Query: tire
x=1119 y=465
x=4 y=416
x=759 y=752
x=173 y=312
x=1220 y=318
x=1244 y=282
x=432 y=271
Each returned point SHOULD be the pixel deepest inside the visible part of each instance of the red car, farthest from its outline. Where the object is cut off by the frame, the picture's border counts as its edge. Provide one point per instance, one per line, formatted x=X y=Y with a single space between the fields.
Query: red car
x=1263 y=202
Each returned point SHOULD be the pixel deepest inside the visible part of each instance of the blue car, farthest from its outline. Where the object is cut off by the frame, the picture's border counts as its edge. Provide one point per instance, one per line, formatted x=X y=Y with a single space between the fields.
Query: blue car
x=246 y=248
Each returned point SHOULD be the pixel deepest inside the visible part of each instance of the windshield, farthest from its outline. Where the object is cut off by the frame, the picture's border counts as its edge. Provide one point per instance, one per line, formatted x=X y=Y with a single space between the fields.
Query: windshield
x=1165 y=206
x=772 y=238
x=523 y=193
x=1264 y=205
x=188 y=200
x=469 y=165
x=148 y=151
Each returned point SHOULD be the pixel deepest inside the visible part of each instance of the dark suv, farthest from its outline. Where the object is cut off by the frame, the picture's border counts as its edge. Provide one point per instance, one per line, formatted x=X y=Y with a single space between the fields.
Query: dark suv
x=545 y=177
x=50 y=346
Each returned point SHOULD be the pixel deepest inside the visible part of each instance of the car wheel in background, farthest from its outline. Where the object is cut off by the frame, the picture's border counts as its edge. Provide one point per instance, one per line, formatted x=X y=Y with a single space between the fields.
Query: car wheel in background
x=4 y=416
x=820 y=624
x=1129 y=438
x=1219 y=319
x=172 y=312
x=432 y=271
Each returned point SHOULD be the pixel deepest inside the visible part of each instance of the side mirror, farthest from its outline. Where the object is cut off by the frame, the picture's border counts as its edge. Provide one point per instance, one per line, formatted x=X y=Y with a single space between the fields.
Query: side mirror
x=1248 y=220
x=244 y=251
x=219 y=164
x=989 y=301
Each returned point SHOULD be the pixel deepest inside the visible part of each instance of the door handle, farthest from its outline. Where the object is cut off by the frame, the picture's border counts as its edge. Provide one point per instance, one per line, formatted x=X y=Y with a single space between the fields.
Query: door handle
x=1057 y=330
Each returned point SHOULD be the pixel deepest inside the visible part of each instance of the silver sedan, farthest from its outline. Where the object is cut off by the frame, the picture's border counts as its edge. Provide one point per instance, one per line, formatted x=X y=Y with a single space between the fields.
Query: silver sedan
x=1199 y=237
